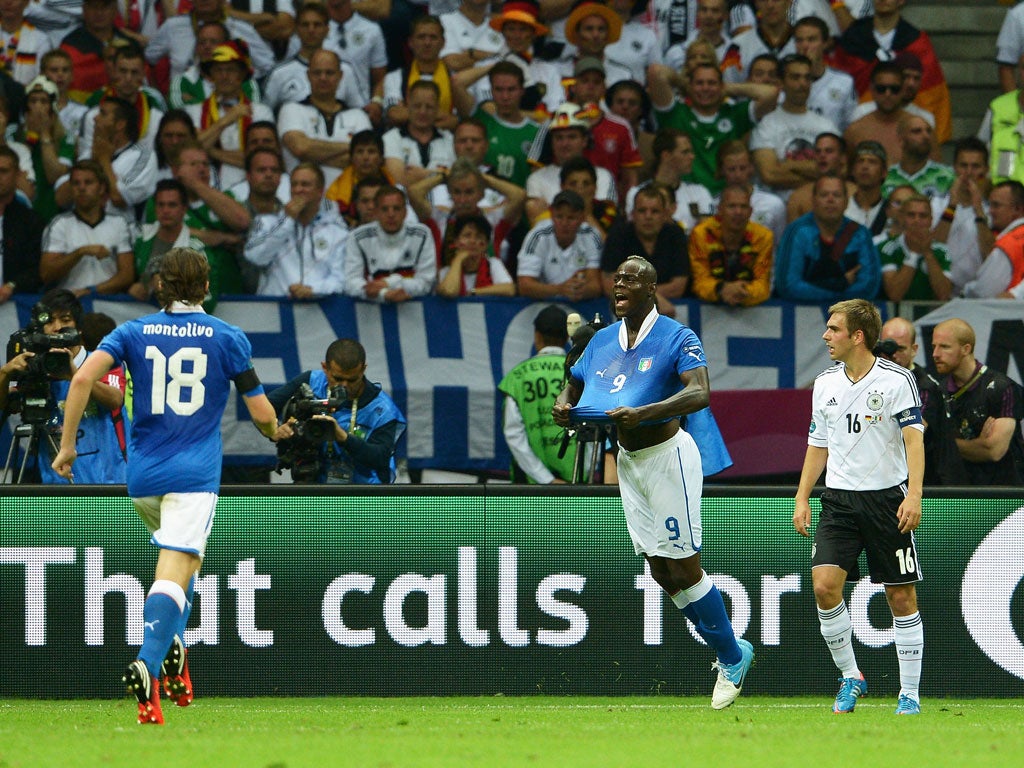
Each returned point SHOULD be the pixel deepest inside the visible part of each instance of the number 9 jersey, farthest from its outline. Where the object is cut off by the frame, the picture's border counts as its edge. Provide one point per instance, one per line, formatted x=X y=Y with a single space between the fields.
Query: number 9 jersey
x=182 y=363
x=614 y=375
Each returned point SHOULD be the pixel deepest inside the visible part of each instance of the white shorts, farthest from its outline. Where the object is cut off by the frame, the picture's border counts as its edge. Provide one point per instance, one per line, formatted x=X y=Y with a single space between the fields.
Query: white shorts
x=179 y=521
x=661 y=488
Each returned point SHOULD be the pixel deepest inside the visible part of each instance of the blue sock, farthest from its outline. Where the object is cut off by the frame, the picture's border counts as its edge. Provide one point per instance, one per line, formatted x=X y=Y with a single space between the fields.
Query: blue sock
x=683 y=604
x=714 y=625
x=161 y=615
x=187 y=611
x=691 y=613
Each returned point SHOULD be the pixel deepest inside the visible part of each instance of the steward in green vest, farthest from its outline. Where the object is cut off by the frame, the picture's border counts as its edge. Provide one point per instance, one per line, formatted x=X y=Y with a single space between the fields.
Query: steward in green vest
x=531 y=388
x=1006 y=152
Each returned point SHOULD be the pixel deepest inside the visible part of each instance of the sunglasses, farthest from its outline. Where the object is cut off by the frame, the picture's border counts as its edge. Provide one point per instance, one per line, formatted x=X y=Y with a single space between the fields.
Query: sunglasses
x=894 y=89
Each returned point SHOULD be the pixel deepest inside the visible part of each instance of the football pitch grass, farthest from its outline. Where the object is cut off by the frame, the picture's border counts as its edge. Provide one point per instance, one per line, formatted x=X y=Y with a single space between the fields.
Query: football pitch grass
x=510 y=731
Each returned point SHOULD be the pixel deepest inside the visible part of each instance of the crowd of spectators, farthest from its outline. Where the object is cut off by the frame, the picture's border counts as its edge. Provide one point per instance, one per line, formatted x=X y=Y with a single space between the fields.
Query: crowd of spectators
x=287 y=125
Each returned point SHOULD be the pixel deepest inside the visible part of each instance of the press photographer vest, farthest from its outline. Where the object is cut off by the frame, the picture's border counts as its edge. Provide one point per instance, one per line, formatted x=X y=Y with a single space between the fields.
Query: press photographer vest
x=376 y=412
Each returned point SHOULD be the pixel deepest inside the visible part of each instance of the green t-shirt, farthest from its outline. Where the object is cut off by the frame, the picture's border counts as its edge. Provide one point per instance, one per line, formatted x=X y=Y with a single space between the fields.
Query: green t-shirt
x=507 y=146
x=534 y=384
x=894 y=254
x=732 y=122
x=934 y=180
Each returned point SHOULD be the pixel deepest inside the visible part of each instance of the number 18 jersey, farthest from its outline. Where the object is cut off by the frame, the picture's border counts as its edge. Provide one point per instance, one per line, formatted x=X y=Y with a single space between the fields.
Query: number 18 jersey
x=182 y=364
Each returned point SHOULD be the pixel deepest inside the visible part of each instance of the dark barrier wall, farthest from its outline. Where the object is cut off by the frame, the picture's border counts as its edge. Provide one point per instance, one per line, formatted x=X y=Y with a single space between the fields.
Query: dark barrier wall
x=481 y=590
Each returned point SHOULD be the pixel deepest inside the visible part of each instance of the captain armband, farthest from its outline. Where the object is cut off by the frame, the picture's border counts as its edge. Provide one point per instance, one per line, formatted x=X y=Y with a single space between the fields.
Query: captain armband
x=909 y=417
x=247 y=381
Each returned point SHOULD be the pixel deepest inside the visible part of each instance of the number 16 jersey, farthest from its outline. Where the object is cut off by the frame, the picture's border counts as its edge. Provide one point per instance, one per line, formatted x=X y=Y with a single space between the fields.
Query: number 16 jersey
x=182 y=363
x=861 y=424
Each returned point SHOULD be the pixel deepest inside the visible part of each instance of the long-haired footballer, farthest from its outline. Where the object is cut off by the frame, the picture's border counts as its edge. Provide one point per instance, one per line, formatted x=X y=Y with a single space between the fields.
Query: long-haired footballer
x=182 y=362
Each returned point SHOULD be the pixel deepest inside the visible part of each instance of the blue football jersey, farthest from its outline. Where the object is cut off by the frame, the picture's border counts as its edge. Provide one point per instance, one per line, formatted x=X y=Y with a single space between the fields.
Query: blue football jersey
x=182 y=365
x=647 y=373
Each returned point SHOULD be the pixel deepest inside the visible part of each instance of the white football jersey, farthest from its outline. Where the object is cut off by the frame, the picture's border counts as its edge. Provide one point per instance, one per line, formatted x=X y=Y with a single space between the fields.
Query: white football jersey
x=861 y=423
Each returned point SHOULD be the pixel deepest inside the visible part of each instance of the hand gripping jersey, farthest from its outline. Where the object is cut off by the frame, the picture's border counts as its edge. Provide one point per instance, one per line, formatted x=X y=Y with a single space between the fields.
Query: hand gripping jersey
x=614 y=376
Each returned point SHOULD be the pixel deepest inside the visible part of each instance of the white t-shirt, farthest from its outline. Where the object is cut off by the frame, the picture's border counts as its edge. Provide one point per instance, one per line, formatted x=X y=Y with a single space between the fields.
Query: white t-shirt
x=543 y=258
x=636 y=49
x=461 y=34
x=1010 y=43
x=359 y=42
x=833 y=96
x=790 y=135
x=67 y=232
x=288 y=82
x=440 y=152
x=307 y=119
x=545 y=183
x=751 y=46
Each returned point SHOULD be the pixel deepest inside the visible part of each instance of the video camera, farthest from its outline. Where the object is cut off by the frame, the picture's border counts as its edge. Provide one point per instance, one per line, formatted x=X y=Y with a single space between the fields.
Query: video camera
x=886 y=348
x=301 y=453
x=32 y=398
x=580 y=335
x=585 y=434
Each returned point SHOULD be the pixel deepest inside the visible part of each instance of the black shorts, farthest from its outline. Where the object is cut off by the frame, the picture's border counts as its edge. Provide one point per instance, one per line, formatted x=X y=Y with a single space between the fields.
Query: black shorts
x=855 y=521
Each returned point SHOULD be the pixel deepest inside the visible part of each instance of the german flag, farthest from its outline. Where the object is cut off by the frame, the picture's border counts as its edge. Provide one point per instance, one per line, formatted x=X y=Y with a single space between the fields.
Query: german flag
x=857 y=52
x=731 y=59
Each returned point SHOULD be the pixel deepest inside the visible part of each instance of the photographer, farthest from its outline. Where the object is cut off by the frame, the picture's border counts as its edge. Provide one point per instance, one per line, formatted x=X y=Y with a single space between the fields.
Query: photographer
x=366 y=422
x=100 y=458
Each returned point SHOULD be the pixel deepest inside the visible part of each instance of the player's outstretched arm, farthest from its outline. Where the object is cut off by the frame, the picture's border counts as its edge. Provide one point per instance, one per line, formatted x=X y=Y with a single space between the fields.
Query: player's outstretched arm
x=262 y=414
x=95 y=366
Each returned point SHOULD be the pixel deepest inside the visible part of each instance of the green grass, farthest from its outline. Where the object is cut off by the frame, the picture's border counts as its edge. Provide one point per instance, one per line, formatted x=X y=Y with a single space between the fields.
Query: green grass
x=499 y=731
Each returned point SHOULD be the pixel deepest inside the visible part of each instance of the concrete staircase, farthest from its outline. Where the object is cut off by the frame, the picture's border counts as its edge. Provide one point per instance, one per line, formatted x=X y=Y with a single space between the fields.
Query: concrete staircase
x=964 y=35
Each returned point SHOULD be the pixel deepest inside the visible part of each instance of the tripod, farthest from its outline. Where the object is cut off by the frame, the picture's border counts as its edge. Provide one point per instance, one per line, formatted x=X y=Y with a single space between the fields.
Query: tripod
x=33 y=434
x=590 y=451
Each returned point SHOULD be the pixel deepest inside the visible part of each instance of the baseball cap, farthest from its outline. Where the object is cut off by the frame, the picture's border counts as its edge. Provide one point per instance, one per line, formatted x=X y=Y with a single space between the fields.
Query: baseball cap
x=566 y=116
x=588 y=64
x=44 y=84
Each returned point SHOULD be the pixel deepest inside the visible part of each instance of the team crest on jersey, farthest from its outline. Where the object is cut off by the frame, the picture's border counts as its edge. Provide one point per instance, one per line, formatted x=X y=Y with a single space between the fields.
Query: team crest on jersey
x=724 y=125
x=610 y=144
x=875 y=401
x=645 y=364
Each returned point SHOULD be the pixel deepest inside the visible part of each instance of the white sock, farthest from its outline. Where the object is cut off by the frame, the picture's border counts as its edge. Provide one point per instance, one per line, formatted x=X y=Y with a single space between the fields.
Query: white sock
x=909 y=635
x=838 y=633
